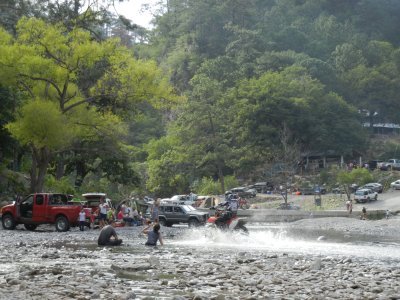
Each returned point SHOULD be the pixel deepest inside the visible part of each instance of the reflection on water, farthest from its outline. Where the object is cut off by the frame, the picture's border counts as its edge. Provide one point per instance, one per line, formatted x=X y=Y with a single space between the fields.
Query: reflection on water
x=262 y=238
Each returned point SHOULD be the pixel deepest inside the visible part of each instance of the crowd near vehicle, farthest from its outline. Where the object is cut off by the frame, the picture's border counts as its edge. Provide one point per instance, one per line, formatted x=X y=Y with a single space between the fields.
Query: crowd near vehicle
x=171 y=213
x=92 y=200
x=365 y=195
x=41 y=208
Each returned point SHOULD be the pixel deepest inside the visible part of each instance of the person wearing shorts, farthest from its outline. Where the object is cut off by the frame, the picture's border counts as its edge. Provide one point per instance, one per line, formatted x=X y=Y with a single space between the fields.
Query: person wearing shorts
x=102 y=212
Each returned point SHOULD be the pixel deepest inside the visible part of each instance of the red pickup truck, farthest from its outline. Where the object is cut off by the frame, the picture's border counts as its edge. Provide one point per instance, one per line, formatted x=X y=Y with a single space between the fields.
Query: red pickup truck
x=41 y=208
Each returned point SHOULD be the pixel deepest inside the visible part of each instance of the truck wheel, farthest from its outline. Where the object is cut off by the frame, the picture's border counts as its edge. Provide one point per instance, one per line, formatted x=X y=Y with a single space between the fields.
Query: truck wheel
x=30 y=227
x=8 y=222
x=193 y=223
x=62 y=224
x=162 y=222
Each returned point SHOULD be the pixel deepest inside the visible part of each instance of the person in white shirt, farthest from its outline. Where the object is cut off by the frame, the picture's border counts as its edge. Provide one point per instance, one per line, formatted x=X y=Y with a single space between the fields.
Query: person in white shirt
x=102 y=212
x=82 y=220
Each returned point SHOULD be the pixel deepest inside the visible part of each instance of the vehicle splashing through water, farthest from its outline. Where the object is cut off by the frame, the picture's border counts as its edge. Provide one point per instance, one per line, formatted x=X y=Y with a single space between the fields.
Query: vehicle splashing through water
x=282 y=240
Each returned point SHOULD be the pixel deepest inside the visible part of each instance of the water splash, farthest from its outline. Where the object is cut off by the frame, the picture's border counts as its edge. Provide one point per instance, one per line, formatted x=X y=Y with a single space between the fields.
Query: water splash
x=281 y=241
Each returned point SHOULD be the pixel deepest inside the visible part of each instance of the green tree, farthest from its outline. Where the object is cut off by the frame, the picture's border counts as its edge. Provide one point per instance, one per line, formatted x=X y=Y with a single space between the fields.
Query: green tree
x=167 y=167
x=358 y=176
x=47 y=61
x=291 y=97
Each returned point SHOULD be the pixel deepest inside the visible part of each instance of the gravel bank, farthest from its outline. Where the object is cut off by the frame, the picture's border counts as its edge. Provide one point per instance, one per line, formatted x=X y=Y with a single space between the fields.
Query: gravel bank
x=49 y=265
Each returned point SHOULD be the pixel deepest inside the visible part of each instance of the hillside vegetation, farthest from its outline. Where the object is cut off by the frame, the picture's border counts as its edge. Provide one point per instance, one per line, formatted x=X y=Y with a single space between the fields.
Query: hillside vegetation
x=215 y=89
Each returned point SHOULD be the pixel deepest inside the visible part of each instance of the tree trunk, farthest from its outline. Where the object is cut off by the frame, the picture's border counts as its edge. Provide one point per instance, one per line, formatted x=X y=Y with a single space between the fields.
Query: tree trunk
x=60 y=166
x=40 y=162
x=221 y=178
x=81 y=172
x=218 y=162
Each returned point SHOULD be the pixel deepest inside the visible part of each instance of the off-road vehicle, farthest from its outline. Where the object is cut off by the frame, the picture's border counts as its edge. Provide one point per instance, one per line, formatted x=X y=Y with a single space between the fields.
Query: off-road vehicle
x=175 y=213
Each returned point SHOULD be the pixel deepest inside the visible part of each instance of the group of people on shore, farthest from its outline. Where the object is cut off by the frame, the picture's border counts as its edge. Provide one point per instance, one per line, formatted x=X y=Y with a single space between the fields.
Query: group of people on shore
x=126 y=215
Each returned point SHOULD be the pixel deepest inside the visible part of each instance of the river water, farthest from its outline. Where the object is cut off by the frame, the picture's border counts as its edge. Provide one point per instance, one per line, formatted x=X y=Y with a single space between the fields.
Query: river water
x=277 y=238
x=273 y=261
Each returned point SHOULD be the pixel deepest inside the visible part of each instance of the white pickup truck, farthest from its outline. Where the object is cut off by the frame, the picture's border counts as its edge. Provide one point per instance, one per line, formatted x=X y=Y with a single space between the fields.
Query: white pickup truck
x=365 y=195
x=391 y=164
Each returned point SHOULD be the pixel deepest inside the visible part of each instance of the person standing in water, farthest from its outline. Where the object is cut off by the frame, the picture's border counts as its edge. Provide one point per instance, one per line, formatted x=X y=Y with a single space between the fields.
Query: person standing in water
x=154 y=211
x=153 y=235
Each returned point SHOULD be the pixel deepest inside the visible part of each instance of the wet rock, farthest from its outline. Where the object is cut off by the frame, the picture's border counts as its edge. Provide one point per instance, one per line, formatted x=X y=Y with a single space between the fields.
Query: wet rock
x=131 y=267
x=317 y=264
x=13 y=281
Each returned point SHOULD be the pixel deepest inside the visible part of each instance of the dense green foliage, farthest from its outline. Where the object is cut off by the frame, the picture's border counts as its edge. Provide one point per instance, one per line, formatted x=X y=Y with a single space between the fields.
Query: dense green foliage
x=315 y=70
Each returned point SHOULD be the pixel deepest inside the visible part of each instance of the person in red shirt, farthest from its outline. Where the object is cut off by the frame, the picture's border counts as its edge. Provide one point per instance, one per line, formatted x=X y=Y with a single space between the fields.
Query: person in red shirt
x=120 y=215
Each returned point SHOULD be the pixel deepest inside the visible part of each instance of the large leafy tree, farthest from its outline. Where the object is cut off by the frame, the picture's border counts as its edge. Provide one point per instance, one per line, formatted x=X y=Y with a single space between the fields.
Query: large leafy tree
x=48 y=63
x=262 y=106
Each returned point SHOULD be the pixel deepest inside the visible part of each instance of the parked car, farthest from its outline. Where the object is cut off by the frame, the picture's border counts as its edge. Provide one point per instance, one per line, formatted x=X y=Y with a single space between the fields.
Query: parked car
x=288 y=206
x=175 y=213
x=308 y=190
x=391 y=164
x=312 y=190
x=318 y=189
x=395 y=185
x=365 y=195
x=263 y=187
x=243 y=192
x=375 y=164
x=338 y=190
x=252 y=191
x=375 y=186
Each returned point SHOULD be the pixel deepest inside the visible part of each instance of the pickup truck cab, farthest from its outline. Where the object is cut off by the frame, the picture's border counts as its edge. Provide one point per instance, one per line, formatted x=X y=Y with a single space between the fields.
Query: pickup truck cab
x=41 y=208
x=391 y=164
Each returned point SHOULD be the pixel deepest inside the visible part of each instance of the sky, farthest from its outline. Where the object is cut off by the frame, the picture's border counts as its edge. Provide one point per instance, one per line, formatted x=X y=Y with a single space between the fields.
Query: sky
x=133 y=10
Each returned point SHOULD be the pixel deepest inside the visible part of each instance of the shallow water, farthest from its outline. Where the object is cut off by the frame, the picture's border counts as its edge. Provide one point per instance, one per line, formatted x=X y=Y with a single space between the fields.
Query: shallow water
x=280 y=240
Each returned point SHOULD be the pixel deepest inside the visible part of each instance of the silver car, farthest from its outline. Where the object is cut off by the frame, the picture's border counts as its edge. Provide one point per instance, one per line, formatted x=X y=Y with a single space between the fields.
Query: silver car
x=377 y=187
x=395 y=185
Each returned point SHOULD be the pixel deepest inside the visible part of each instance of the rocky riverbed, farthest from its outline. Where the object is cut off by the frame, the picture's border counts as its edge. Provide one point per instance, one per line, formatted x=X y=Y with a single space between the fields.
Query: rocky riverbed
x=195 y=264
